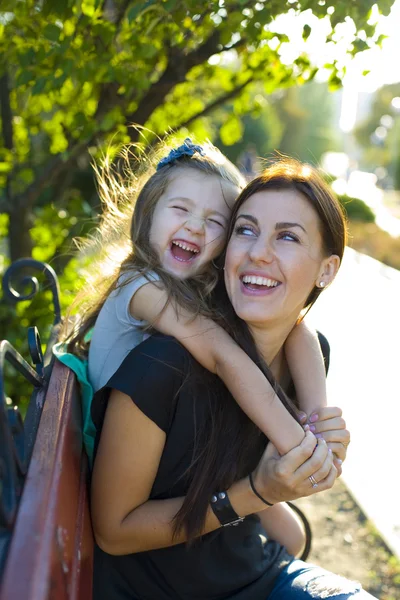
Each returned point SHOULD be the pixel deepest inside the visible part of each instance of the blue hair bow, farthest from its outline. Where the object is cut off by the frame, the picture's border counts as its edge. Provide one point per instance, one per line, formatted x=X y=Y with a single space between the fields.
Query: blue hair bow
x=186 y=149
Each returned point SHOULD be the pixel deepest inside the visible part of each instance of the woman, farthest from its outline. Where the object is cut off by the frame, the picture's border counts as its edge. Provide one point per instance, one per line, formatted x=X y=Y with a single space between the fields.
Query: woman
x=178 y=461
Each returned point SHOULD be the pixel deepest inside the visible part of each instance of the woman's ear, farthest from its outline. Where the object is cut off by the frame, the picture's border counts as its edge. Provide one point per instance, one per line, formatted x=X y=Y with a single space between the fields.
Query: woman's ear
x=329 y=268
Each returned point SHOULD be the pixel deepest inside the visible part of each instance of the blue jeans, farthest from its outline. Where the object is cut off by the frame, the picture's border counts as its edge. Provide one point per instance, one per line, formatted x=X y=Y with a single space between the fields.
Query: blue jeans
x=302 y=581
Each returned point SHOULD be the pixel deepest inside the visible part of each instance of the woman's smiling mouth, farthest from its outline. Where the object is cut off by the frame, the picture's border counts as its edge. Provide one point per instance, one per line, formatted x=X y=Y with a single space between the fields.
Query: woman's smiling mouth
x=258 y=284
x=184 y=251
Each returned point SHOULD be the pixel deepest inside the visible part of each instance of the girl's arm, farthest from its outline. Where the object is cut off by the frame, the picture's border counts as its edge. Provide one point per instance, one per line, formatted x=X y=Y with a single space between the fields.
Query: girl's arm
x=306 y=365
x=124 y=519
x=283 y=525
x=216 y=351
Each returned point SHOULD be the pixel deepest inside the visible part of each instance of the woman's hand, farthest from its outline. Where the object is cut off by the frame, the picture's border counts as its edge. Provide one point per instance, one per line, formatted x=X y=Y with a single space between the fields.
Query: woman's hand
x=281 y=479
x=330 y=424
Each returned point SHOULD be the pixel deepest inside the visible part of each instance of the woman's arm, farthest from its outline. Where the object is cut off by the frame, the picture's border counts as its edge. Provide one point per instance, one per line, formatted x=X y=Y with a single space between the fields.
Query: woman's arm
x=131 y=445
x=216 y=351
x=306 y=365
x=124 y=519
x=283 y=525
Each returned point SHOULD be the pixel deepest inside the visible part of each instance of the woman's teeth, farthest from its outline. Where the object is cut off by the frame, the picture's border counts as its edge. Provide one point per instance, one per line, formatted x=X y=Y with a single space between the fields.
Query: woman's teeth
x=254 y=280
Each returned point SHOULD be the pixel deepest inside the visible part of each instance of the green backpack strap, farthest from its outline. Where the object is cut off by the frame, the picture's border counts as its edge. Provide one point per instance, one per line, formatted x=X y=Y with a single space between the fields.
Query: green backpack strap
x=80 y=368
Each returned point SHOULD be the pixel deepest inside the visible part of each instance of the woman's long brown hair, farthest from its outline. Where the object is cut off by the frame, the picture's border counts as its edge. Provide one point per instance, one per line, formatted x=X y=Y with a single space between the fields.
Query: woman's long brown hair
x=228 y=445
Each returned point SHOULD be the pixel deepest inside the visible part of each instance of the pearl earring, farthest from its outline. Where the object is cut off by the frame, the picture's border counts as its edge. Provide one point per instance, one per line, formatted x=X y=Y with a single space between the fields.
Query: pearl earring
x=322 y=284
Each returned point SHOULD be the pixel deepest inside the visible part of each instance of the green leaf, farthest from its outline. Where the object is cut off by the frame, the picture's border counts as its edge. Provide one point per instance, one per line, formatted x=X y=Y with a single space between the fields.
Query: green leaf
x=24 y=77
x=87 y=9
x=69 y=27
x=27 y=58
x=306 y=32
x=52 y=32
x=138 y=9
x=39 y=86
x=5 y=167
x=231 y=131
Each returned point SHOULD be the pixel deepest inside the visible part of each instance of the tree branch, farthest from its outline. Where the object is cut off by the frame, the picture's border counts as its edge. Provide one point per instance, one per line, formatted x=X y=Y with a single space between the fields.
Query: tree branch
x=6 y=114
x=52 y=169
x=178 y=66
x=218 y=102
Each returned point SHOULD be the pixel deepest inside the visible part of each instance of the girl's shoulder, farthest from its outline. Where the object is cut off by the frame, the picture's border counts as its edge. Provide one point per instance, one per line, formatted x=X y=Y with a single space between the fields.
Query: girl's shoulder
x=130 y=281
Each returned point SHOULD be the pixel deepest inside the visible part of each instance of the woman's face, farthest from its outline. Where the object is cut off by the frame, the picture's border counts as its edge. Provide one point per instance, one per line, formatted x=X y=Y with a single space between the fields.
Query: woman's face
x=275 y=257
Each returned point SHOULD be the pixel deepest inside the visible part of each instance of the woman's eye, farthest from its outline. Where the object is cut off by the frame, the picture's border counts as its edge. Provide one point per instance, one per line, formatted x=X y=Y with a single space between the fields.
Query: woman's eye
x=288 y=235
x=244 y=230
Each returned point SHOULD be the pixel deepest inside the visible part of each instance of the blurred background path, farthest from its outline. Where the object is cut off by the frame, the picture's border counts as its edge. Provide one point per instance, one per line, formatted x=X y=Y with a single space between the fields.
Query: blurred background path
x=359 y=316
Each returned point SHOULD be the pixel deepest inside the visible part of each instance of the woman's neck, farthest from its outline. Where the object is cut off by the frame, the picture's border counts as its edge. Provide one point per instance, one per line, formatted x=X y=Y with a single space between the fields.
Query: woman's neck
x=270 y=340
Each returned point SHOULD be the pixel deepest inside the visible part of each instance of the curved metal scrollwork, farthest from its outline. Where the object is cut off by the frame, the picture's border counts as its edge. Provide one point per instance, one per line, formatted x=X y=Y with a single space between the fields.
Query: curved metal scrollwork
x=16 y=275
x=17 y=438
x=35 y=349
x=12 y=447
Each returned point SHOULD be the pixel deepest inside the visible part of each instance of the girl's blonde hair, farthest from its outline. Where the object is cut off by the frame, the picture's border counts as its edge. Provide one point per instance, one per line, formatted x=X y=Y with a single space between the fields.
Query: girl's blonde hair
x=130 y=189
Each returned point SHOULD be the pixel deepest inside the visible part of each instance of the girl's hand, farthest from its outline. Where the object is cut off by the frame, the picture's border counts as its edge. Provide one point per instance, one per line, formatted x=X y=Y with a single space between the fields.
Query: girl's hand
x=281 y=479
x=329 y=423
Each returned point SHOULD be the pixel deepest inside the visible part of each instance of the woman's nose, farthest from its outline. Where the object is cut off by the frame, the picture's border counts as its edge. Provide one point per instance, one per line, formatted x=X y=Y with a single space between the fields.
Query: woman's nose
x=261 y=251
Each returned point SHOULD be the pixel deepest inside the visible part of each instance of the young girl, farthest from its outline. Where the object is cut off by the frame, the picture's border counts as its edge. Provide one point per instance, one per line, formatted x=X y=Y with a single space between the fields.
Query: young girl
x=178 y=230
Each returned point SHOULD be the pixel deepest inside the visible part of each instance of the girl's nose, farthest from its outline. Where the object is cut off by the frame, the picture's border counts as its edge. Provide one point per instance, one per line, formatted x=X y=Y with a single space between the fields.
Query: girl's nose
x=195 y=224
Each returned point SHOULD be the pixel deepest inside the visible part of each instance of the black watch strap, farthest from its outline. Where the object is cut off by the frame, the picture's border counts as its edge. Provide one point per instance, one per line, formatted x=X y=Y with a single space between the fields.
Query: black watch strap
x=223 y=510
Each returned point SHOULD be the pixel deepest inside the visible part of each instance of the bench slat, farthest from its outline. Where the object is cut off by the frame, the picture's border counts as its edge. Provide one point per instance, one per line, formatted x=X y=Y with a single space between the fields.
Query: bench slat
x=51 y=551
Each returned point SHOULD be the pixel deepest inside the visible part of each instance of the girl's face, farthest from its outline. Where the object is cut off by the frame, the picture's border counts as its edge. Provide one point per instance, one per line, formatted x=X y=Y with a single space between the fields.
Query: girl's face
x=190 y=221
x=275 y=257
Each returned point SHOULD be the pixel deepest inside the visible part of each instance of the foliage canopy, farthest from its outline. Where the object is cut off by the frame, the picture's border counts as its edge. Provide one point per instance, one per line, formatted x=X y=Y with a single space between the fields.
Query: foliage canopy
x=74 y=75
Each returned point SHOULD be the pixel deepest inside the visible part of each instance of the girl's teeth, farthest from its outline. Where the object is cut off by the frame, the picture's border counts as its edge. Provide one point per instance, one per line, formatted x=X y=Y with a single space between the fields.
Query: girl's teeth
x=259 y=280
x=185 y=247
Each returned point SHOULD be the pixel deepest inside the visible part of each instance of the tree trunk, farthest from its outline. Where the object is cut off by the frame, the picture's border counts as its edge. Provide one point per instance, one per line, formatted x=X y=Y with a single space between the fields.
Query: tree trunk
x=19 y=240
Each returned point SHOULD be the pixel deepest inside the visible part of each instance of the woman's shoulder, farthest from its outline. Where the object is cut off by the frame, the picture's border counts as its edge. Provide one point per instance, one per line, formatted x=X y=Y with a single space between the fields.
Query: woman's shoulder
x=152 y=375
x=159 y=362
x=159 y=348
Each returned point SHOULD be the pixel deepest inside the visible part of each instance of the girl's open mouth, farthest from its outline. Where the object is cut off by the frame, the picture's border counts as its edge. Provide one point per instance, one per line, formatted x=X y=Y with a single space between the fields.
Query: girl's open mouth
x=184 y=251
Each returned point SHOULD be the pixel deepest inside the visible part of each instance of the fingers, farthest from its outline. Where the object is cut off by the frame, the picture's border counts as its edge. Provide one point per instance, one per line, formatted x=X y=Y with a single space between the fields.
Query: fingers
x=322 y=473
x=324 y=413
x=341 y=436
x=315 y=463
x=299 y=455
x=338 y=467
x=328 y=424
x=338 y=450
x=327 y=483
x=302 y=417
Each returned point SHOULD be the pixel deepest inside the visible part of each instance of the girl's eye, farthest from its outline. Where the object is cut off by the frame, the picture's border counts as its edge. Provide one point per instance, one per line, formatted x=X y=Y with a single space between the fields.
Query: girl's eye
x=181 y=208
x=289 y=236
x=216 y=222
x=245 y=230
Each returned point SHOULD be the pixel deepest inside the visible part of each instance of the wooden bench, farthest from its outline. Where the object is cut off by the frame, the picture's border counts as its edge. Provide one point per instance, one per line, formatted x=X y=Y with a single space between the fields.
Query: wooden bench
x=46 y=539
x=49 y=555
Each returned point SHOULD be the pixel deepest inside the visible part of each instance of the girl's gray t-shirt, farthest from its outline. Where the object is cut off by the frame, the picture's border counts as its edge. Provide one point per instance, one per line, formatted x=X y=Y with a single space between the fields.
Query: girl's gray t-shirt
x=116 y=332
